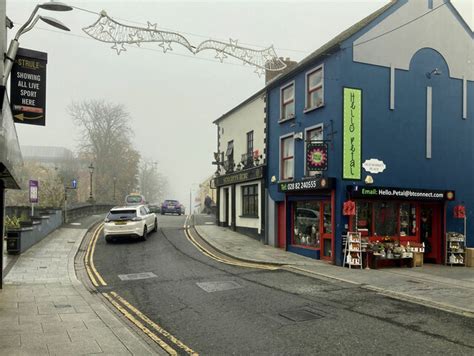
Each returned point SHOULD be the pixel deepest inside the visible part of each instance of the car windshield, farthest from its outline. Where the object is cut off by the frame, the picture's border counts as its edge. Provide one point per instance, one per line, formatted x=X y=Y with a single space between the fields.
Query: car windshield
x=115 y=215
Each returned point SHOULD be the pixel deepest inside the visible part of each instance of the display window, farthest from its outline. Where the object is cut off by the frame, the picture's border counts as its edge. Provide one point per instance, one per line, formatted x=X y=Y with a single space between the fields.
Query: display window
x=312 y=221
x=387 y=219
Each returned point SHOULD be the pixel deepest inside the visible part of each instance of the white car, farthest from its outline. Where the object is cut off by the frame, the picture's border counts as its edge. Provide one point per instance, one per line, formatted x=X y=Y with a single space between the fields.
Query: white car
x=129 y=221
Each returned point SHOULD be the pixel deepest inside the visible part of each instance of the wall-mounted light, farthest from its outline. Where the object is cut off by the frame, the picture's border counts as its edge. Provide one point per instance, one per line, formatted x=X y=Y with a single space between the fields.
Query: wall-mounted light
x=435 y=71
x=298 y=135
x=369 y=180
x=273 y=179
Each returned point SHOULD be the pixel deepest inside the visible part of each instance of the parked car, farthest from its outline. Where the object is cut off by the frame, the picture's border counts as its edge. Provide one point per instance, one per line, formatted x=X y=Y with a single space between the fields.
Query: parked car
x=154 y=208
x=171 y=207
x=129 y=221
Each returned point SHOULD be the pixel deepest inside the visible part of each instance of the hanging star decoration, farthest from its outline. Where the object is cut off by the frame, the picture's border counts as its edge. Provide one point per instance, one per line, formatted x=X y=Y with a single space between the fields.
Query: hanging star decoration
x=108 y=30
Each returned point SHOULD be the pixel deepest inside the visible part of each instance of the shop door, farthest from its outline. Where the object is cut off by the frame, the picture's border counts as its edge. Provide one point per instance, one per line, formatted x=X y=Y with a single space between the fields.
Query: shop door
x=430 y=232
x=281 y=224
x=226 y=207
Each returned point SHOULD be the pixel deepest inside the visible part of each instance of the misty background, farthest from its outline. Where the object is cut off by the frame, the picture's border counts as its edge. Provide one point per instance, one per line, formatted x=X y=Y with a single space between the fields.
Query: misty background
x=173 y=97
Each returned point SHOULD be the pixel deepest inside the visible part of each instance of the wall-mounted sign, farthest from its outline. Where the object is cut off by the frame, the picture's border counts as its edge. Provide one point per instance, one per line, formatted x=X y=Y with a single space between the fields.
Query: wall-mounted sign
x=352 y=134
x=307 y=184
x=33 y=187
x=400 y=193
x=374 y=165
x=316 y=156
x=74 y=183
x=28 y=87
x=238 y=177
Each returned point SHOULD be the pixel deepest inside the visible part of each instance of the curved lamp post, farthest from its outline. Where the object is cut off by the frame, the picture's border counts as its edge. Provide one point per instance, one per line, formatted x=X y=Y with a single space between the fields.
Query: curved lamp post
x=27 y=26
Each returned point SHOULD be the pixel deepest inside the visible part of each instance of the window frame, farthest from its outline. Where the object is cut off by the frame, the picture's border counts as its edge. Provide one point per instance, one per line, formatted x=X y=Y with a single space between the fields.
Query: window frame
x=282 y=103
x=246 y=213
x=309 y=90
x=250 y=133
x=306 y=131
x=282 y=138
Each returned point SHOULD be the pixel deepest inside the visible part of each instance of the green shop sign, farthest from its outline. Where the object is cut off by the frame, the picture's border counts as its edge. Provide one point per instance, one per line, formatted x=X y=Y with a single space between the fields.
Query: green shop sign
x=352 y=144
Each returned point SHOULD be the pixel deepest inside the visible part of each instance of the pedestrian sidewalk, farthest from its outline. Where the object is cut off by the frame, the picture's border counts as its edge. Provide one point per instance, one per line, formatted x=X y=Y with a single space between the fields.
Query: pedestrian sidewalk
x=45 y=310
x=444 y=287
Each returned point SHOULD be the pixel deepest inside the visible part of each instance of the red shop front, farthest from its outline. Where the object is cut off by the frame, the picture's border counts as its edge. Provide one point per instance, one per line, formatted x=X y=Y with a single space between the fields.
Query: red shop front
x=392 y=213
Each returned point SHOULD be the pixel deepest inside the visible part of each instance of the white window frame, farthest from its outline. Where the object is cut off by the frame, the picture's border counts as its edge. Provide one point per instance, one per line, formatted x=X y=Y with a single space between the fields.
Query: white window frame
x=280 y=168
x=306 y=130
x=283 y=119
x=306 y=92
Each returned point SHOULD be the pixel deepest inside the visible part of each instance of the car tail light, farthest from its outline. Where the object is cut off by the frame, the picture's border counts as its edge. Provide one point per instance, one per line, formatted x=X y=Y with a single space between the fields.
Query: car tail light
x=138 y=218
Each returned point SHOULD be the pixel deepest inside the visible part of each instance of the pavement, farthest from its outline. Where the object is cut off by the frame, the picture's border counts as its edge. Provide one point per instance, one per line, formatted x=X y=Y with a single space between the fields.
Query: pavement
x=450 y=288
x=46 y=310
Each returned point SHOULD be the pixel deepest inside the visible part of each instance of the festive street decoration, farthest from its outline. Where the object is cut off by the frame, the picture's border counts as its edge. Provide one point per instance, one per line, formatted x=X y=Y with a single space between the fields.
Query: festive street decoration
x=108 y=30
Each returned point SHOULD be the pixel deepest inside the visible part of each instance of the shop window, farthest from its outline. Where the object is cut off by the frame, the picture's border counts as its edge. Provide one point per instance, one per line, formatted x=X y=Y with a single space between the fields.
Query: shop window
x=250 y=200
x=407 y=219
x=287 y=158
x=364 y=218
x=327 y=226
x=306 y=220
x=385 y=219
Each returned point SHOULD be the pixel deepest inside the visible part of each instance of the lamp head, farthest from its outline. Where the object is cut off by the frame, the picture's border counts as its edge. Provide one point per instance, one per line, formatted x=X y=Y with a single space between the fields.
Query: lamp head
x=55 y=6
x=54 y=23
x=435 y=71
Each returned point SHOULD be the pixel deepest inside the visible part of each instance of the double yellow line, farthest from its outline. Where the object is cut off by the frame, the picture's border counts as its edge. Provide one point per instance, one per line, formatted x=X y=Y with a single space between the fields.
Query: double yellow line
x=228 y=261
x=135 y=316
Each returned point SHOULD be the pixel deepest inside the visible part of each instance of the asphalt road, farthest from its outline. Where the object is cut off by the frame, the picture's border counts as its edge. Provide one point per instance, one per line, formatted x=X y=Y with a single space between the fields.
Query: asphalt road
x=269 y=312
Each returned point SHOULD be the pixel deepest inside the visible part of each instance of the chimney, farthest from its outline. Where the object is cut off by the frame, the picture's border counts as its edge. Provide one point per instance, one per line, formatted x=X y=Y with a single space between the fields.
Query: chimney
x=270 y=75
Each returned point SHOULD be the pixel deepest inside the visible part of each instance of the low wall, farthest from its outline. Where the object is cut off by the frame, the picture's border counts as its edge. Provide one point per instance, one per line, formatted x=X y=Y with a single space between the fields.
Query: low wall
x=43 y=223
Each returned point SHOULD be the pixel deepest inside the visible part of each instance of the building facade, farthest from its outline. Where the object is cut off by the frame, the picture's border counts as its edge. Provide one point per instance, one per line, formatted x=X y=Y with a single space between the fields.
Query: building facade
x=382 y=117
x=239 y=180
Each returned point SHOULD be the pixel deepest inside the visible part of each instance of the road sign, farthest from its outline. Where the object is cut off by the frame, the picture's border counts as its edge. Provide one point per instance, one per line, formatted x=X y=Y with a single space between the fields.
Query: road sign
x=33 y=191
x=74 y=184
x=28 y=87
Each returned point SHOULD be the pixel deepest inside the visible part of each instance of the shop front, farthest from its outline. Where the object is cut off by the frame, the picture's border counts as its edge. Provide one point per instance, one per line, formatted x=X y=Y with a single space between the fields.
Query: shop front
x=394 y=218
x=240 y=201
x=306 y=217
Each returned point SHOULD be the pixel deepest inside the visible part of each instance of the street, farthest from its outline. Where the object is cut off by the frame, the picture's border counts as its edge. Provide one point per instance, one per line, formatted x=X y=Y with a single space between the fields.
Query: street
x=215 y=308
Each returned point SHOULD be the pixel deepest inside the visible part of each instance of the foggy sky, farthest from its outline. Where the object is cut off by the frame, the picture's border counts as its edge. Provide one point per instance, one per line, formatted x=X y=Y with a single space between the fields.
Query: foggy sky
x=174 y=97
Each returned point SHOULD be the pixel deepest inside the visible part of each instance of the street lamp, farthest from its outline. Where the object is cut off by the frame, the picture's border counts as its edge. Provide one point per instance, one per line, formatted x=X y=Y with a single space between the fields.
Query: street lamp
x=115 y=181
x=91 y=171
x=27 y=26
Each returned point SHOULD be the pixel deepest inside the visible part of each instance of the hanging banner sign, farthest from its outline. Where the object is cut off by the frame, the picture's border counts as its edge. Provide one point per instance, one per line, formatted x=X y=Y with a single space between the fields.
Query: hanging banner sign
x=33 y=184
x=352 y=134
x=316 y=157
x=28 y=87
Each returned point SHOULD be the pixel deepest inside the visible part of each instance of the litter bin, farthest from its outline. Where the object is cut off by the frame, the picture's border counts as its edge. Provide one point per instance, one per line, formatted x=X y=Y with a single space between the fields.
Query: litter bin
x=13 y=242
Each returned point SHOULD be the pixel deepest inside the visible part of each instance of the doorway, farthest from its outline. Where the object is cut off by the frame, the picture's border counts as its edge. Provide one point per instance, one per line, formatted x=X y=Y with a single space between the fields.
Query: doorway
x=430 y=232
x=226 y=207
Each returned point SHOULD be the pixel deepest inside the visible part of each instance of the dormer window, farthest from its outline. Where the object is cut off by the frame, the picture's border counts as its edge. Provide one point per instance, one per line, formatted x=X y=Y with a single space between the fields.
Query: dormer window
x=287 y=100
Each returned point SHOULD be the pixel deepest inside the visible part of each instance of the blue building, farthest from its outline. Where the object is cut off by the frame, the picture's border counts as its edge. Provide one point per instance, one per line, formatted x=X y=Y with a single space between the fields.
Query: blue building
x=381 y=116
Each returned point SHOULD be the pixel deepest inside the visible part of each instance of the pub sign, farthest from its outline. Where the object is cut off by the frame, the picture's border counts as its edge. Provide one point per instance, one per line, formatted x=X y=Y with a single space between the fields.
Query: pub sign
x=28 y=87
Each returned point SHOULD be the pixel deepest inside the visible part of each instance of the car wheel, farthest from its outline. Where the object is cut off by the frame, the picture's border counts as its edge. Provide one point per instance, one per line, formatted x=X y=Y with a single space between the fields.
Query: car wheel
x=108 y=239
x=155 y=229
x=145 y=233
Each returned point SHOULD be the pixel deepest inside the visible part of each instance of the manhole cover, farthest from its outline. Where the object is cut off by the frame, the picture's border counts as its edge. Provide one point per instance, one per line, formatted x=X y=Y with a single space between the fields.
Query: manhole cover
x=211 y=287
x=300 y=315
x=136 y=276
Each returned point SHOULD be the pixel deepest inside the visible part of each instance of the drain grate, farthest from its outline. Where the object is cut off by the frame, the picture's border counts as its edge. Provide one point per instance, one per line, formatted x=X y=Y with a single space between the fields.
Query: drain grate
x=136 y=276
x=301 y=315
x=211 y=287
x=62 y=306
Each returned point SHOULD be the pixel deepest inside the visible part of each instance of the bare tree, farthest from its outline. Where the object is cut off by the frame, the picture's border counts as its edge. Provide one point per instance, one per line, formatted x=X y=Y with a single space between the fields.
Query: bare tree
x=106 y=140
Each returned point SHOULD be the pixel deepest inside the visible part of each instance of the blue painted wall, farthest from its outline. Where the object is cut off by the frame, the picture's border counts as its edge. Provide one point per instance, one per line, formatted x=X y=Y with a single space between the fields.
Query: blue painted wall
x=397 y=137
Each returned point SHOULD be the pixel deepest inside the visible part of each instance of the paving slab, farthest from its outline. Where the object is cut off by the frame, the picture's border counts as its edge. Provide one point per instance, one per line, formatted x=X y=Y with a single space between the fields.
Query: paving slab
x=45 y=309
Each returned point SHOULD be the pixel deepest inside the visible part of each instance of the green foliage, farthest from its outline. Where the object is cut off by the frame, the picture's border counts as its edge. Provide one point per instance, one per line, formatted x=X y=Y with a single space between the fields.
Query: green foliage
x=12 y=222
